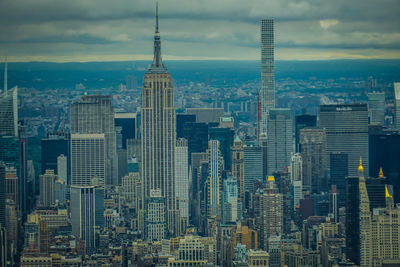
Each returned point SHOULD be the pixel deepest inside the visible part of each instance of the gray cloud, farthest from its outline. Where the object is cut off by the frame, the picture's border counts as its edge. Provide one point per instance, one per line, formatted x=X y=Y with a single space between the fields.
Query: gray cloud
x=196 y=28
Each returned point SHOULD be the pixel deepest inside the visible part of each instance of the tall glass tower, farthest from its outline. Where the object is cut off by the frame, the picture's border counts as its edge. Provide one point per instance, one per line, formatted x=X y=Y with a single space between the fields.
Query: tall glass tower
x=158 y=134
x=267 y=72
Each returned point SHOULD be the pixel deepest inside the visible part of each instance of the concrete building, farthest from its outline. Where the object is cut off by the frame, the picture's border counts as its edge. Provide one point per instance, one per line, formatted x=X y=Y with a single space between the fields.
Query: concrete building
x=346 y=131
x=62 y=168
x=214 y=179
x=267 y=72
x=47 y=189
x=94 y=115
x=314 y=159
x=238 y=166
x=88 y=158
x=271 y=211
x=280 y=143
x=87 y=212
x=257 y=258
x=182 y=181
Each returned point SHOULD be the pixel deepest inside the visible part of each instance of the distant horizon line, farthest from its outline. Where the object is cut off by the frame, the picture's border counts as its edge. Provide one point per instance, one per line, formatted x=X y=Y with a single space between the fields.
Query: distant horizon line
x=205 y=60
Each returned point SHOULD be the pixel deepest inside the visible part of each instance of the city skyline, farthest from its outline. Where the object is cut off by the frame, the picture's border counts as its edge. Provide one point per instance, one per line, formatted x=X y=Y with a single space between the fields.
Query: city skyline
x=308 y=30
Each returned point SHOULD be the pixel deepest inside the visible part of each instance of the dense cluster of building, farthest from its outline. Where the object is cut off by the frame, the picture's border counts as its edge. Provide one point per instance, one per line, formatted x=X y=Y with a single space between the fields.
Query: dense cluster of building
x=155 y=188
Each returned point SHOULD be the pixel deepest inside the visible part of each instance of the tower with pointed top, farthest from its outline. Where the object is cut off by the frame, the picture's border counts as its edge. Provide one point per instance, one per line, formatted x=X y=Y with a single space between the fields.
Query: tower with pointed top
x=365 y=220
x=158 y=136
x=8 y=109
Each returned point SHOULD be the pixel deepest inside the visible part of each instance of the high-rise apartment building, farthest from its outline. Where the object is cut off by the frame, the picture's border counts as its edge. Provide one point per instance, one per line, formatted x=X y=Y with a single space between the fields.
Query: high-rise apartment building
x=158 y=134
x=271 y=211
x=95 y=115
x=47 y=182
x=280 y=143
x=87 y=212
x=182 y=181
x=88 y=158
x=267 y=72
x=252 y=163
x=215 y=168
x=346 y=131
x=397 y=105
x=238 y=165
x=314 y=158
x=231 y=205
x=376 y=107
x=62 y=168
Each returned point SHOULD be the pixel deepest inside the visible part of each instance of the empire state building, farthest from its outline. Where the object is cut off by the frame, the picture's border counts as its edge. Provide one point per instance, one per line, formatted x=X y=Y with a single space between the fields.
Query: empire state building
x=158 y=148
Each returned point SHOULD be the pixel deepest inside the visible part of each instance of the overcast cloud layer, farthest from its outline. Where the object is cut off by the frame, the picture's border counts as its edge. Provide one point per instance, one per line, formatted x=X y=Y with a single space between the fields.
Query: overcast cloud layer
x=98 y=30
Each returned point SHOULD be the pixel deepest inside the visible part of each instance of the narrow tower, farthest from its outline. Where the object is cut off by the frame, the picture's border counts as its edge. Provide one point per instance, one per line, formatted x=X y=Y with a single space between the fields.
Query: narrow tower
x=158 y=135
x=365 y=221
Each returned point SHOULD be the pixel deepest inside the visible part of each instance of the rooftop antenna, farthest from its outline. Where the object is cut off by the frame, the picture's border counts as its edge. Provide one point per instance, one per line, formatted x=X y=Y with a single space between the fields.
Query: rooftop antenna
x=157 y=17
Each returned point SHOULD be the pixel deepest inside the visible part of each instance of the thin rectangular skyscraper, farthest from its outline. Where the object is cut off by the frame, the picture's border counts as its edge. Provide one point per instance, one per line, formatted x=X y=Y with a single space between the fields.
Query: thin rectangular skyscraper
x=267 y=71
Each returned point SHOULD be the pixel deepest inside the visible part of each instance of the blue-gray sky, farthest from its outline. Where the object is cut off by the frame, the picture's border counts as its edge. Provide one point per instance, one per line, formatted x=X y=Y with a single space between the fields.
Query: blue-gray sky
x=104 y=30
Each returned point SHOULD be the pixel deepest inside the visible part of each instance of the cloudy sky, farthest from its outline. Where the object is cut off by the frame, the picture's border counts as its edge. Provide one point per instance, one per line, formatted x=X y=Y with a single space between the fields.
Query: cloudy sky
x=108 y=30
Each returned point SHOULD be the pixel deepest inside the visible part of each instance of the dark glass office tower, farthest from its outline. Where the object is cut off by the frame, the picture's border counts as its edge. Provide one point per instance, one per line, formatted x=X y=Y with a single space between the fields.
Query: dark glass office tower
x=181 y=119
x=53 y=146
x=384 y=152
x=376 y=192
x=225 y=137
x=127 y=124
x=338 y=174
x=353 y=219
x=2 y=194
x=197 y=136
x=303 y=121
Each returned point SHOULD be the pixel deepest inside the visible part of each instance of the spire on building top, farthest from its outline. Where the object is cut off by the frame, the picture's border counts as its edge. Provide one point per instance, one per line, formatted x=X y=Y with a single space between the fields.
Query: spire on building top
x=360 y=167
x=157 y=65
x=381 y=173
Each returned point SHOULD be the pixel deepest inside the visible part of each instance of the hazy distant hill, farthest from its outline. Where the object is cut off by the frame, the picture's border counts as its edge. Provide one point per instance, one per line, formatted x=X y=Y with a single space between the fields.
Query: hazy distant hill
x=96 y=75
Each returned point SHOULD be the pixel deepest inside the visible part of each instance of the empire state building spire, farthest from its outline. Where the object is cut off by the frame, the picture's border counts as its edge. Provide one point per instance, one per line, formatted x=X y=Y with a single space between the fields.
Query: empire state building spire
x=157 y=65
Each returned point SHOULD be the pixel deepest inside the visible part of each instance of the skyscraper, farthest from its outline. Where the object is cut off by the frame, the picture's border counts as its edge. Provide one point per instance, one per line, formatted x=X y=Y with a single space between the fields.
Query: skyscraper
x=303 y=121
x=315 y=162
x=53 y=146
x=280 y=144
x=376 y=107
x=88 y=158
x=252 y=163
x=2 y=195
x=215 y=168
x=271 y=212
x=397 y=105
x=62 y=168
x=346 y=131
x=158 y=133
x=384 y=147
x=8 y=109
x=87 y=212
x=238 y=165
x=225 y=138
x=47 y=196
x=365 y=221
x=339 y=171
x=267 y=71
x=95 y=115
x=182 y=181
